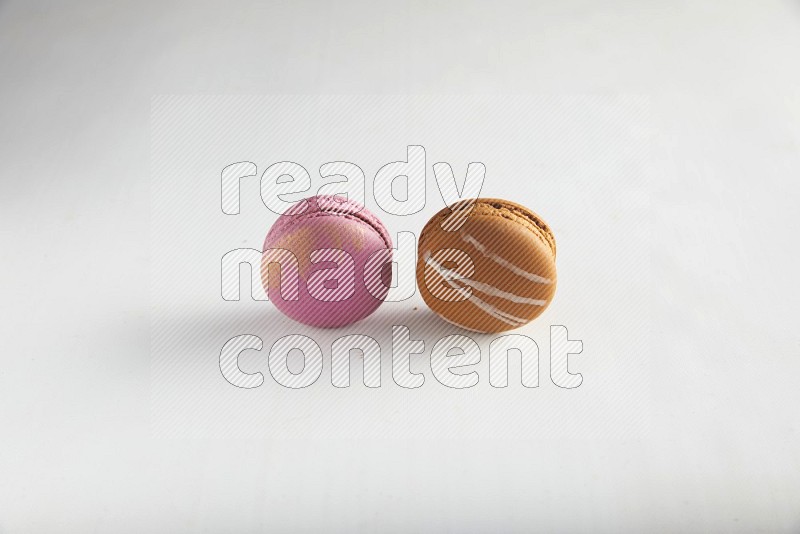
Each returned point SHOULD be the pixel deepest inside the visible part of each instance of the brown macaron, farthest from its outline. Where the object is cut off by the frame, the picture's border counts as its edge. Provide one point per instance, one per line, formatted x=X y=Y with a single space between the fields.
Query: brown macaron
x=488 y=269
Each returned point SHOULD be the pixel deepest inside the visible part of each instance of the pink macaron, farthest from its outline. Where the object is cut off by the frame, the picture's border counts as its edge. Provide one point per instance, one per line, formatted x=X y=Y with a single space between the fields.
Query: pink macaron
x=327 y=262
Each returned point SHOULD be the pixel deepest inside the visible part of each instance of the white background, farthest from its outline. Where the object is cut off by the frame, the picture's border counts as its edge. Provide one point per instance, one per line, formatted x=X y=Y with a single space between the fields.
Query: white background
x=582 y=161
x=714 y=444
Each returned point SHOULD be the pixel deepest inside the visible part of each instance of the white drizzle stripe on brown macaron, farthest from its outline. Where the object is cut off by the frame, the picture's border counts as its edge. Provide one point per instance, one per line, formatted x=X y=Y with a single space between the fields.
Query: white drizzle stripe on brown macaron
x=481 y=287
x=480 y=247
x=464 y=270
x=492 y=291
x=489 y=309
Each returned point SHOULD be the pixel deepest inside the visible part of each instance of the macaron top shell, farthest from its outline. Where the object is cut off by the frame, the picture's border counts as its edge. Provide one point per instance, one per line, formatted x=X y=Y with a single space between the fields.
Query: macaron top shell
x=328 y=205
x=512 y=278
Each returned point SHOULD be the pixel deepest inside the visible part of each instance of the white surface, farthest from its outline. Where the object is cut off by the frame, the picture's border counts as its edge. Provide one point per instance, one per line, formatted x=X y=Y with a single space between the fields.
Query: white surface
x=580 y=162
x=717 y=446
